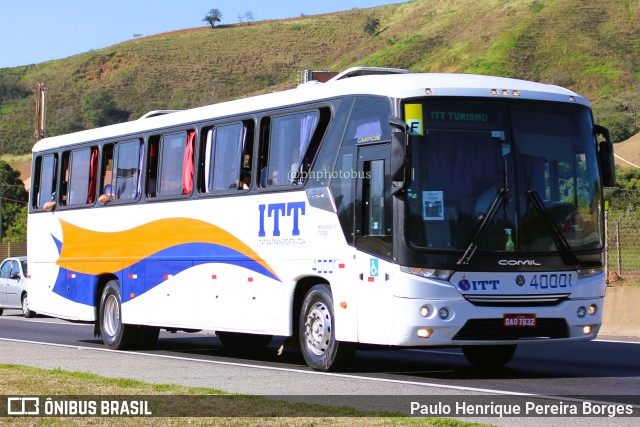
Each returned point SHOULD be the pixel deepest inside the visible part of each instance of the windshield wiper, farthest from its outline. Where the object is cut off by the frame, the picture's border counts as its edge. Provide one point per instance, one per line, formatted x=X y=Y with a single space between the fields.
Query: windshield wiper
x=560 y=241
x=501 y=196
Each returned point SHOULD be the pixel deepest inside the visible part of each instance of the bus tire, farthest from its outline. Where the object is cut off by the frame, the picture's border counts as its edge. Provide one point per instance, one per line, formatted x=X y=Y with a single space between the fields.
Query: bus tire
x=240 y=341
x=318 y=343
x=115 y=334
x=26 y=311
x=489 y=356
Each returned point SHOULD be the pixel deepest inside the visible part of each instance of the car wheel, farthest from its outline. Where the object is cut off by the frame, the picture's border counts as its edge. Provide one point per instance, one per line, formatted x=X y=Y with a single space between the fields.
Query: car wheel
x=115 y=334
x=318 y=343
x=26 y=311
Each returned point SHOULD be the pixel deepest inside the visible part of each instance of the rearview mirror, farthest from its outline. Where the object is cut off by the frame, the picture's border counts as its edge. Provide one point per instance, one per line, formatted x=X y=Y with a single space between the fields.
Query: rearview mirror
x=605 y=150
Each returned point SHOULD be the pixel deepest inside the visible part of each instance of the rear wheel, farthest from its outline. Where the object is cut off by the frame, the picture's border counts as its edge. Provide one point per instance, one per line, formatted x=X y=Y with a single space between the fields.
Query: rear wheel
x=489 y=356
x=115 y=334
x=318 y=343
x=240 y=341
x=26 y=311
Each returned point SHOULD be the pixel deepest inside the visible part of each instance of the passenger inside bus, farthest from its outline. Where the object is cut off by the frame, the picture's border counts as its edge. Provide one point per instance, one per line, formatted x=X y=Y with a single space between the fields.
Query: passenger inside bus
x=106 y=196
x=245 y=181
x=275 y=178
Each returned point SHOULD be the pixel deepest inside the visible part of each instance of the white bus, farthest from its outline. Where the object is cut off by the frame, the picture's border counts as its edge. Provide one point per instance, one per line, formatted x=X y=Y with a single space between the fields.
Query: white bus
x=383 y=207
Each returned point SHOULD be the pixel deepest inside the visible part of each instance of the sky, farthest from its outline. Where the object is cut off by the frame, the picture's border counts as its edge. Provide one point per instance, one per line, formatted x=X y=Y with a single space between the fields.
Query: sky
x=34 y=31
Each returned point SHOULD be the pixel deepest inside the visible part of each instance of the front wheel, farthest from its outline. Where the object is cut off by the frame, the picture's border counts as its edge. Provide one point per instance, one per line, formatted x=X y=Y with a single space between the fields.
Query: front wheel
x=26 y=311
x=489 y=356
x=115 y=334
x=318 y=343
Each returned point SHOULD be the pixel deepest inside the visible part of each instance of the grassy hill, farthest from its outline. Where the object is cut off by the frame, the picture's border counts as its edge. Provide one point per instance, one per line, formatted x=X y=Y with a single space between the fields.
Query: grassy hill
x=628 y=152
x=590 y=47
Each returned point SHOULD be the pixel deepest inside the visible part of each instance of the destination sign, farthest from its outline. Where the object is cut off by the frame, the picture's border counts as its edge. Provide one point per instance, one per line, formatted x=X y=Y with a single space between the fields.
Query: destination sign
x=459 y=116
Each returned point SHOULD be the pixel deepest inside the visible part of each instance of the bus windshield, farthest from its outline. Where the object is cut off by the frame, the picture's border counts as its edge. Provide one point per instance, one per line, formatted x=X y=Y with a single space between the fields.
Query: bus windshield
x=504 y=176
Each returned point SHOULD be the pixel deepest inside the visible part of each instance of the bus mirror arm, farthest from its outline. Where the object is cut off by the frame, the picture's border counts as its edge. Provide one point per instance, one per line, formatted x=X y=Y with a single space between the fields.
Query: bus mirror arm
x=399 y=155
x=605 y=149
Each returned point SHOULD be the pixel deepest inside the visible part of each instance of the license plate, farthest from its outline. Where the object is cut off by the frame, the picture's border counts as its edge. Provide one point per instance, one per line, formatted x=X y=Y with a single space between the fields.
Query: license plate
x=519 y=320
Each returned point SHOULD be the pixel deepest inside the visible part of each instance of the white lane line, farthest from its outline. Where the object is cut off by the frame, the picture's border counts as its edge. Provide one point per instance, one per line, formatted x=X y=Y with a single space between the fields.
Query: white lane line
x=328 y=374
x=272 y=368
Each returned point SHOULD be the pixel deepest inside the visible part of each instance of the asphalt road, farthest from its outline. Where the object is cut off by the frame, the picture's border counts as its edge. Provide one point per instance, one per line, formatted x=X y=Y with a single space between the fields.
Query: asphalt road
x=607 y=368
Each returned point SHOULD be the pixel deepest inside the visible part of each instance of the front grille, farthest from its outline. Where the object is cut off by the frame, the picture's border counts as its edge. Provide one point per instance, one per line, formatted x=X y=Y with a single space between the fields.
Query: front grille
x=493 y=329
x=516 y=300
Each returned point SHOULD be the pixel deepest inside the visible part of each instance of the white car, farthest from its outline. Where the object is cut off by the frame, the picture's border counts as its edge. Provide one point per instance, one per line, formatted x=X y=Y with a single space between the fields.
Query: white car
x=13 y=280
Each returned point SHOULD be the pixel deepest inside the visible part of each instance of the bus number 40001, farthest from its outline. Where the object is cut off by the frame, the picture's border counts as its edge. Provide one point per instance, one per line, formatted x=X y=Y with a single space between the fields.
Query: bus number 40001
x=324 y=266
x=551 y=281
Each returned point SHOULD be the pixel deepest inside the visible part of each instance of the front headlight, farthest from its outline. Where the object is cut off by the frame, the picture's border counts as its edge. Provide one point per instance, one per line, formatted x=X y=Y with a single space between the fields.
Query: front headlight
x=428 y=273
x=589 y=272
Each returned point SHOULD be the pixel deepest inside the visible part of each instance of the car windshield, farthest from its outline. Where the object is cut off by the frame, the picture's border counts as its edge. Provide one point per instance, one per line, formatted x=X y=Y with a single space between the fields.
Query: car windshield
x=528 y=171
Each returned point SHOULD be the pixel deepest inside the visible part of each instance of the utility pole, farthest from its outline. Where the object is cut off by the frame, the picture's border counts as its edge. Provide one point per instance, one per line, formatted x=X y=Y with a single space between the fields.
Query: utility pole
x=41 y=112
x=3 y=189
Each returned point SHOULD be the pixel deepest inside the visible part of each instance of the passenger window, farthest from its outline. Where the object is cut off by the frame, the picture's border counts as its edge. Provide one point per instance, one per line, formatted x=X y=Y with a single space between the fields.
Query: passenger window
x=369 y=122
x=171 y=164
x=44 y=181
x=287 y=149
x=83 y=169
x=121 y=164
x=126 y=173
x=78 y=180
x=227 y=158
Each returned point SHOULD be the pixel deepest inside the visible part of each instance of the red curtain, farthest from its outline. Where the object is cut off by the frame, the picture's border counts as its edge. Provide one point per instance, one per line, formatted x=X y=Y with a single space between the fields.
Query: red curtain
x=187 y=163
x=93 y=172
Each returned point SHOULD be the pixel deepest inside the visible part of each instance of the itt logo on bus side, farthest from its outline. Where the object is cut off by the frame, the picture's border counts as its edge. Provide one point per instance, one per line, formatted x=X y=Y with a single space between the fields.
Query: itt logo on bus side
x=275 y=211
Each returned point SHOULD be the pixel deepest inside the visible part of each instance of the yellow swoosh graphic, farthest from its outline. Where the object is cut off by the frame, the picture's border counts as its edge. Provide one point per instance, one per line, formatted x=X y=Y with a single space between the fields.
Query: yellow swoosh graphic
x=133 y=245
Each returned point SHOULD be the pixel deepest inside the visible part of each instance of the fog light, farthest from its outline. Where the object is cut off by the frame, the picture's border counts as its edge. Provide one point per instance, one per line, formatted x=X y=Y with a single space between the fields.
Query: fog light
x=424 y=332
x=587 y=329
x=593 y=309
x=443 y=313
x=424 y=311
x=581 y=312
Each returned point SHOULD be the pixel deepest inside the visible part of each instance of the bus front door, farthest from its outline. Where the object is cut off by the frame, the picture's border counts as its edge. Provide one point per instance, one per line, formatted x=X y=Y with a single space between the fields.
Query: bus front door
x=373 y=232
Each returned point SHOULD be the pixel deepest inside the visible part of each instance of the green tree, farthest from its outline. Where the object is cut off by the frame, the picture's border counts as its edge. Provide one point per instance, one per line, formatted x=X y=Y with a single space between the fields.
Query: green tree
x=625 y=195
x=17 y=231
x=14 y=199
x=99 y=109
x=620 y=117
x=371 y=25
x=212 y=17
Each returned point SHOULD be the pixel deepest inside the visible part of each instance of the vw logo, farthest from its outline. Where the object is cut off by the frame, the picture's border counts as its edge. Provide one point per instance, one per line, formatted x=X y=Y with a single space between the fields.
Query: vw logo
x=520 y=280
